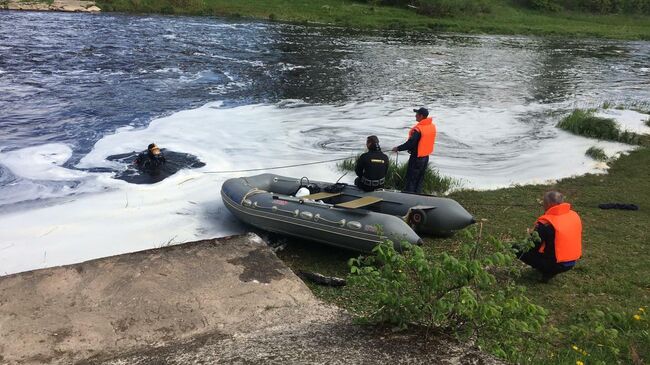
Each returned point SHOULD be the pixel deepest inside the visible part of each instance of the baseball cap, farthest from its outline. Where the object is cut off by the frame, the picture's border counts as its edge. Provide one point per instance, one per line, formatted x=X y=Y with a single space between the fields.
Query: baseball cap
x=422 y=111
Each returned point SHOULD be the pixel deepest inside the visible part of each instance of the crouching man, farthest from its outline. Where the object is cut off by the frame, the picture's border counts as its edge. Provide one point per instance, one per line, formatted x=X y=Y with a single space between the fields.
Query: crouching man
x=560 y=230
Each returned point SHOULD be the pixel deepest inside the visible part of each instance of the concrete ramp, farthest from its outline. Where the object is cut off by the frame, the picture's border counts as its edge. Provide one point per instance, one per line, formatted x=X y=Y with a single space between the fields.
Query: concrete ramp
x=146 y=299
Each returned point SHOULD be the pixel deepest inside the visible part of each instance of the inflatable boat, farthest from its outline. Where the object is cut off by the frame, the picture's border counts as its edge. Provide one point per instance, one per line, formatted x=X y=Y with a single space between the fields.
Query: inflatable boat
x=340 y=214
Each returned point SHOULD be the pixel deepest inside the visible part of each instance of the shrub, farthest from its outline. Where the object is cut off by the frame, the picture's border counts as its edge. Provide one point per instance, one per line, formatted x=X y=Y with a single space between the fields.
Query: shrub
x=596 y=153
x=167 y=9
x=434 y=182
x=585 y=123
x=647 y=122
x=606 y=336
x=544 y=5
x=444 y=8
x=440 y=8
x=594 y=6
x=447 y=292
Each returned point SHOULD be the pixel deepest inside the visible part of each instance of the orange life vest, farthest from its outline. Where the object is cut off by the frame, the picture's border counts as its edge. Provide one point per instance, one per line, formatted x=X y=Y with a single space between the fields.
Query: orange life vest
x=568 y=232
x=427 y=136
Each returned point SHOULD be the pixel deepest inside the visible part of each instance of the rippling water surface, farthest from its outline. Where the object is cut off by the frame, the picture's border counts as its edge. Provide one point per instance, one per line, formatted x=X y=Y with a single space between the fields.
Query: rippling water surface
x=77 y=88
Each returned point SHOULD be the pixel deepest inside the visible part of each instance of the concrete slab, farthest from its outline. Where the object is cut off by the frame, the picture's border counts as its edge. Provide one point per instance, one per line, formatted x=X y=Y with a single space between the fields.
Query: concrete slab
x=149 y=298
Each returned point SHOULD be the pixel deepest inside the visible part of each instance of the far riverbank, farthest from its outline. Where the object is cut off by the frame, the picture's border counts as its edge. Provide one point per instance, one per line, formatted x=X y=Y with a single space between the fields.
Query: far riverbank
x=500 y=17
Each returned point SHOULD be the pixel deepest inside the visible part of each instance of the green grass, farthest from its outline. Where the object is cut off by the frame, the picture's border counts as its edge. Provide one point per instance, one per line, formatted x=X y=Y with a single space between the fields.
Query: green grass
x=596 y=153
x=613 y=273
x=502 y=18
x=585 y=123
x=639 y=107
x=434 y=182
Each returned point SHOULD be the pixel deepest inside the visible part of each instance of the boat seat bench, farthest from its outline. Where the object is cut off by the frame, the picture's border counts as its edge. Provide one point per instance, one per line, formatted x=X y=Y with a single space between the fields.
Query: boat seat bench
x=360 y=203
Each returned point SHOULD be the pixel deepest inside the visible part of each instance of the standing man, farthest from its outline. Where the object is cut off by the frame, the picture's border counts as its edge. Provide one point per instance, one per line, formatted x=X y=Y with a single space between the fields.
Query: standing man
x=420 y=145
x=371 y=167
x=560 y=230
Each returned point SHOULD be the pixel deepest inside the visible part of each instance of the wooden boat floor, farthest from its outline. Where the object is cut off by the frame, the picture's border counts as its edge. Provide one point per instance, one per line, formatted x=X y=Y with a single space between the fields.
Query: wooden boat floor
x=320 y=196
x=360 y=203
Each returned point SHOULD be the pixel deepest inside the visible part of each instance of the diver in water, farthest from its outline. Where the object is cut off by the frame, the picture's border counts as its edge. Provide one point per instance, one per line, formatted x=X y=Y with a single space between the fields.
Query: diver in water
x=151 y=160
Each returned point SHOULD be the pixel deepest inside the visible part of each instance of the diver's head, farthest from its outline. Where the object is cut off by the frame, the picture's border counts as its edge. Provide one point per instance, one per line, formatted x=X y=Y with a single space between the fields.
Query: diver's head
x=153 y=149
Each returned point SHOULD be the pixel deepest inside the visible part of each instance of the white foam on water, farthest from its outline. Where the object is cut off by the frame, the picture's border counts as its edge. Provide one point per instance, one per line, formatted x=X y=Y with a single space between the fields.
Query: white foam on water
x=628 y=120
x=41 y=162
x=485 y=147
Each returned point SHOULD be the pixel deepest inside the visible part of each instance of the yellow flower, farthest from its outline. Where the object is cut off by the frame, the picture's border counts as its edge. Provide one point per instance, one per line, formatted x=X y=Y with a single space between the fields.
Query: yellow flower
x=642 y=310
x=574 y=347
x=578 y=362
x=637 y=317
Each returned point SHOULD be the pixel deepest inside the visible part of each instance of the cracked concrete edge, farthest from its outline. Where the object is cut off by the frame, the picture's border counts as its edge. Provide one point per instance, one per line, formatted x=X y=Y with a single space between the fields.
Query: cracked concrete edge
x=149 y=298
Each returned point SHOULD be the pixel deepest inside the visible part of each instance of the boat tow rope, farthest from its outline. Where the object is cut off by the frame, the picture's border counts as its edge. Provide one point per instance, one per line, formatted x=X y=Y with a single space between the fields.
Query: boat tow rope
x=277 y=167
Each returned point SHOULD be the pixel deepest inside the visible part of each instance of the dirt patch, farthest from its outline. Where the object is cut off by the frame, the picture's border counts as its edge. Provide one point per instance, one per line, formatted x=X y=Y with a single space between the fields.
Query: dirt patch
x=258 y=266
x=330 y=340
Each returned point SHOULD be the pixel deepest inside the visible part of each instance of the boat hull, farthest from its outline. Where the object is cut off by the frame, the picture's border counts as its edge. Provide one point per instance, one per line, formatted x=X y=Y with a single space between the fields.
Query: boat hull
x=266 y=202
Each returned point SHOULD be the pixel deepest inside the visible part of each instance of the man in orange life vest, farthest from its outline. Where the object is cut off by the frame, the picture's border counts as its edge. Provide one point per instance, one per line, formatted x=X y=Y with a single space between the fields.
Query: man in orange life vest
x=420 y=145
x=560 y=230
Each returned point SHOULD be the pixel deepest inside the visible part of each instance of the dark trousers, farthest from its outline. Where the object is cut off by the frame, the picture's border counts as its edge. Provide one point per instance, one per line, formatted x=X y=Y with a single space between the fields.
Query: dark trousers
x=415 y=173
x=548 y=268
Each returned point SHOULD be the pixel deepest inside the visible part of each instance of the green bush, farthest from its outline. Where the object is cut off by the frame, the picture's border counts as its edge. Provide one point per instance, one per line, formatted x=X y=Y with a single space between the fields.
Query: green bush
x=585 y=123
x=434 y=182
x=440 y=8
x=594 y=6
x=596 y=153
x=458 y=293
x=544 y=5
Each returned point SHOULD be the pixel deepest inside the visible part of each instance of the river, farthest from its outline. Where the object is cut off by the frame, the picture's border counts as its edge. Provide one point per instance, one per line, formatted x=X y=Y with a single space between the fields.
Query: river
x=239 y=94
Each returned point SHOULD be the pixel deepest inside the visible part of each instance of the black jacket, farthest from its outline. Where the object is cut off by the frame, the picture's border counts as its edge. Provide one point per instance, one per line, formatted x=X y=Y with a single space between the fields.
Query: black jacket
x=547 y=234
x=149 y=162
x=373 y=165
x=412 y=144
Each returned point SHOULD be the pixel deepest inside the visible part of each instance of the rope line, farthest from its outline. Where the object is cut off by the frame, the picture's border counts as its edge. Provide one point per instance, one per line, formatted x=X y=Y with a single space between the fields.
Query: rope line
x=278 y=167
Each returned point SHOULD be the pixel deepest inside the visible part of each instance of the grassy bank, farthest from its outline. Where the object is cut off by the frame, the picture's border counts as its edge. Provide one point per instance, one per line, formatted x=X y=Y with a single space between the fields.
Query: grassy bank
x=585 y=123
x=613 y=275
x=498 y=17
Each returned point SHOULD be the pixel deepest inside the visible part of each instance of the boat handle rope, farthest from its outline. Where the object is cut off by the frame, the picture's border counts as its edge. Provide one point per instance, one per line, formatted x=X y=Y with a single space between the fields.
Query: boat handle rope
x=252 y=192
x=296 y=213
x=340 y=222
